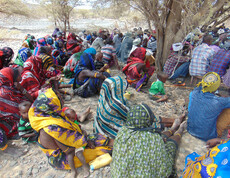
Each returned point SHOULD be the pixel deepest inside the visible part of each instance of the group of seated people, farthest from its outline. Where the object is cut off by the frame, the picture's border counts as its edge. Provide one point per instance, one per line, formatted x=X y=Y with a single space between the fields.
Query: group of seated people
x=141 y=144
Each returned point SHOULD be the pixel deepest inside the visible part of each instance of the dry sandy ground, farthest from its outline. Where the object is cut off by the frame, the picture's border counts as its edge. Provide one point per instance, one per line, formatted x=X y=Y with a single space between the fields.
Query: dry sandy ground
x=27 y=160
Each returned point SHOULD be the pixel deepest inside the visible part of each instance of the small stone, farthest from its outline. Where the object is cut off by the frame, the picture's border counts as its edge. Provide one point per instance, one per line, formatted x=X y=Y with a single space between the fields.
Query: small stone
x=29 y=171
x=44 y=169
x=13 y=163
x=35 y=171
x=20 y=173
x=1 y=166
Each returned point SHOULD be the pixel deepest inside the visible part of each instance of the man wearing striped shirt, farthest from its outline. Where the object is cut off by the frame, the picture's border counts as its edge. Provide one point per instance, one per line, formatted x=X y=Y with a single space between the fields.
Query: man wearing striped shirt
x=109 y=54
x=202 y=56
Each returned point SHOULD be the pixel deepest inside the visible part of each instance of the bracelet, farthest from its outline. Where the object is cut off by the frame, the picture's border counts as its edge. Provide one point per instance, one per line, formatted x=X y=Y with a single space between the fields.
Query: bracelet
x=95 y=75
x=65 y=92
x=66 y=149
x=170 y=132
x=222 y=141
x=178 y=135
x=47 y=82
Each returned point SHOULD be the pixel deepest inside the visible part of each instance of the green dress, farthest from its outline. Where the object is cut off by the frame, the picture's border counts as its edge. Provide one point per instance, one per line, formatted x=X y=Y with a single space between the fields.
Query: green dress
x=139 y=150
x=157 y=88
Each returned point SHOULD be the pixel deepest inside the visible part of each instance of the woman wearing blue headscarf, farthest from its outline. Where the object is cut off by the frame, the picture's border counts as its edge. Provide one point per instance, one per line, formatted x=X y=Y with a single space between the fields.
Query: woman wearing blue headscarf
x=87 y=80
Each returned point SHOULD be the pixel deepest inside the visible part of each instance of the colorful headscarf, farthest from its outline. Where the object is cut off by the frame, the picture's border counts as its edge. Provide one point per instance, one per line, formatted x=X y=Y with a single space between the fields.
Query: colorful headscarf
x=91 y=51
x=49 y=40
x=86 y=63
x=210 y=82
x=40 y=42
x=23 y=55
x=138 y=53
x=6 y=54
x=141 y=116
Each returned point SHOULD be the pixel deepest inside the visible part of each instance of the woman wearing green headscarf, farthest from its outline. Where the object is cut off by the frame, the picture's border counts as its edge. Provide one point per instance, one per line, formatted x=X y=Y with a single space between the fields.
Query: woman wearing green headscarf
x=141 y=149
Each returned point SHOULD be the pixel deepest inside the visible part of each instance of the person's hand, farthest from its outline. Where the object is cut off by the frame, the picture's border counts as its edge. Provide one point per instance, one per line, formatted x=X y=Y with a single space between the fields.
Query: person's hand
x=91 y=144
x=101 y=76
x=213 y=142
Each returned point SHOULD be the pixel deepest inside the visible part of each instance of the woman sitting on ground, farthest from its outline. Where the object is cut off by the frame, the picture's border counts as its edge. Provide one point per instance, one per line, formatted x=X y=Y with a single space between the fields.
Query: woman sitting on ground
x=71 y=64
x=60 y=138
x=73 y=44
x=88 y=81
x=47 y=60
x=11 y=95
x=112 y=107
x=35 y=76
x=40 y=42
x=208 y=113
x=141 y=149
x=137 y=70
x=215 y=163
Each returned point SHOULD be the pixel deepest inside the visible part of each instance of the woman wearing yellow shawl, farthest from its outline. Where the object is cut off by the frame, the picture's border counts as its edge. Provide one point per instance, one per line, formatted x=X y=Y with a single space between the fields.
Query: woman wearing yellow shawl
x=59 y=136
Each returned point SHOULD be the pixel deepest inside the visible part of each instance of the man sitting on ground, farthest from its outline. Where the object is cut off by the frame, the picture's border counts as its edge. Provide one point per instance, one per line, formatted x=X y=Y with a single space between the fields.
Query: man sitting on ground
x=202 y=55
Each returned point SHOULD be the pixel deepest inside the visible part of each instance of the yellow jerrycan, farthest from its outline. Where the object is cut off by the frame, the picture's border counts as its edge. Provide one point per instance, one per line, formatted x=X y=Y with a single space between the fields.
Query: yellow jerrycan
x=100 y=161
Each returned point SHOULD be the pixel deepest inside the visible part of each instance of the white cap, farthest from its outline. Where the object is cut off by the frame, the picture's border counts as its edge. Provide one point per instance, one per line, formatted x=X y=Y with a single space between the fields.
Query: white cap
x=221 y=31
x=177 y=46
x=137 y=41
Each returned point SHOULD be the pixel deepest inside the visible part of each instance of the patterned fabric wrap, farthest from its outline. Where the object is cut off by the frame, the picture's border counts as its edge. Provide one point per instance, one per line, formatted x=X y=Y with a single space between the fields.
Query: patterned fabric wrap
x=210 y=82
x=46 y=114
x=58 y=159
x=215 y=163
x=137 y=152
x=23 y=55
x=40 y=42
x=72 y=44
x=34 y=75
x=10 y=97
x=112 y=107
x=130 y=70
x=71 y=64
x=6 y=54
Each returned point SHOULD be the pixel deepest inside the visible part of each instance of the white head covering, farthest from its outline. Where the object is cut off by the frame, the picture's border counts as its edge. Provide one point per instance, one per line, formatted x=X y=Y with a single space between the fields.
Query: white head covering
x=177 y=46
x=137 y=41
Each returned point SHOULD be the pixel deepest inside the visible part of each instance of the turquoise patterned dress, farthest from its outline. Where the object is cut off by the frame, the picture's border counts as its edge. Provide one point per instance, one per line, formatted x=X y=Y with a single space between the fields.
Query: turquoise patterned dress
x=139 y=149
x=112 y=107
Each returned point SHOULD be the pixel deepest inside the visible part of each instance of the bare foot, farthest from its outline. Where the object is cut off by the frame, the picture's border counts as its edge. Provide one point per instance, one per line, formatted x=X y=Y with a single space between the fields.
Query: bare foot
x=84 y=115
x=85 y=172
x=176 y=124
x=182 y=127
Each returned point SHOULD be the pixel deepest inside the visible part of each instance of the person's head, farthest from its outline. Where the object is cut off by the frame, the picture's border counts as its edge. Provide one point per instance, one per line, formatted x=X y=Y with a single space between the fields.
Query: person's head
x=91 y=51
x=45 y=50
x=17 y=77
x=207 y=39
x=210 y=82
x=59 y=35
x=226 y=43
x=8 y=55
x=141 y=116
x=24 y=109
x=49 y=40
x=120 y=35
x=99 y=56
x=137 y=42
x=162 y=76
x=109 y=41
x=185 y=49
x=71 y=114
